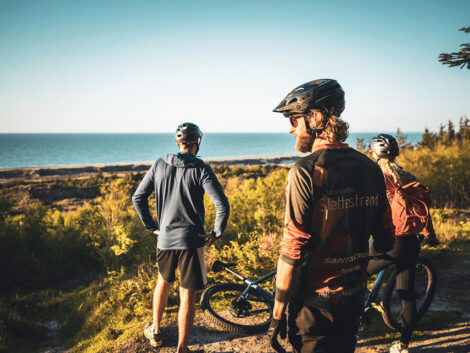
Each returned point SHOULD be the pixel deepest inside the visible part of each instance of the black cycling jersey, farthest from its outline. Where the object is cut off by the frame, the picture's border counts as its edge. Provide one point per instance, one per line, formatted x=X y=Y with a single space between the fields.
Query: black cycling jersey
x=335 y=200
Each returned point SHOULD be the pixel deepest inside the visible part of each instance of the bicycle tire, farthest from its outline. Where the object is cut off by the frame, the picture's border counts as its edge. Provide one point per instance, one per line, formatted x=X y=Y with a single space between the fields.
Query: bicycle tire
x=216 y=303
x=425 y=288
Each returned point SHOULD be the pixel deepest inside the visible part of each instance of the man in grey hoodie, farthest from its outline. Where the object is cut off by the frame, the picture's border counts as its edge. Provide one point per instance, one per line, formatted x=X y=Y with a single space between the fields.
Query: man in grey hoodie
x=180 y=181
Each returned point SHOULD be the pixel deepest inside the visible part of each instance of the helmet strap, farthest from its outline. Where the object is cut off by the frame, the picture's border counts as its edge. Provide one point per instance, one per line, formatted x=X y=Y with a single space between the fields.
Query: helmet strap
x=310 y=131
x=198 y=143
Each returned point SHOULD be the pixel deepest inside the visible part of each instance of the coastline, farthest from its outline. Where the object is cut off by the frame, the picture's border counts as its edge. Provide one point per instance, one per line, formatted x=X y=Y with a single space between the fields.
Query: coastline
x=56 y=172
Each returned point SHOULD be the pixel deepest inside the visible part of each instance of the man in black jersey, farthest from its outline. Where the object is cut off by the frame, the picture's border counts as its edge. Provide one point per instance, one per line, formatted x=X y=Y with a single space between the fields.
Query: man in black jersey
x=335 y=200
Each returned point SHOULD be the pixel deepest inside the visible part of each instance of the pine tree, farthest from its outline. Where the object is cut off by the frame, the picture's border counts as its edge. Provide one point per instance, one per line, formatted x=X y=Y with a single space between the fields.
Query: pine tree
x=450 y=131
x=441 y=134
x=460 y=58
x=401 y=139
x=464 y=128
x=428 y=139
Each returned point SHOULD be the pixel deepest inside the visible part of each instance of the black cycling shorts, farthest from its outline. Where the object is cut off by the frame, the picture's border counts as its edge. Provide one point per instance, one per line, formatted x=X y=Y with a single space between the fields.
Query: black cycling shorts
x=192 y=265
x=320 y=330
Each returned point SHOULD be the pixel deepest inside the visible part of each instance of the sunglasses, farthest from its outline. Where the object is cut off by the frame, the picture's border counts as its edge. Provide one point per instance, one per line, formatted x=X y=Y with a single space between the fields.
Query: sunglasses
x=293 y=121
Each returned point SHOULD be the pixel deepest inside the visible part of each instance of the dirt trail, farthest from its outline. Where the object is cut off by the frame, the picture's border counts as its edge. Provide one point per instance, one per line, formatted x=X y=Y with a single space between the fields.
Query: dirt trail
x=452 y=296
x=455 y=339
x=452 y=301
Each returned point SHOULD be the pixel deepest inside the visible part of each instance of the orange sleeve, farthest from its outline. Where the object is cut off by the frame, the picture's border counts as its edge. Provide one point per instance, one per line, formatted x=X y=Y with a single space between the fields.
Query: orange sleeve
x=293 y=238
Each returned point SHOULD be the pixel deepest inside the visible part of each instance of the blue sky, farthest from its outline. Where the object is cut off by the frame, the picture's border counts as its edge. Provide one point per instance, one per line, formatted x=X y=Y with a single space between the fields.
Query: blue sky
x=145 y=66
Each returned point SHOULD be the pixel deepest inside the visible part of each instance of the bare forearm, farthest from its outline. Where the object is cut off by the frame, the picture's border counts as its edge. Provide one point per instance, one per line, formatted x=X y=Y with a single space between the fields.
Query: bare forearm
x=286 y=280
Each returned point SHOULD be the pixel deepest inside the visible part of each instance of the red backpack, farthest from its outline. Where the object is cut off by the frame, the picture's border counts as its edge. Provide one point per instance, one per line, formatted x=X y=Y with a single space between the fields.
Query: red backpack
x=410 y=208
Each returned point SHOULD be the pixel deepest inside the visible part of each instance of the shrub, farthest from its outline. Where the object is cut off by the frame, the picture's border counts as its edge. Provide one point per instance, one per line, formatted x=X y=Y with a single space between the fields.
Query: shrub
x=444 y=169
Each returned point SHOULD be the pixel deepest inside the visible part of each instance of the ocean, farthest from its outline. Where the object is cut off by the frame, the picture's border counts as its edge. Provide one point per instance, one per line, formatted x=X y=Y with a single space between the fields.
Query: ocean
x=41 y=150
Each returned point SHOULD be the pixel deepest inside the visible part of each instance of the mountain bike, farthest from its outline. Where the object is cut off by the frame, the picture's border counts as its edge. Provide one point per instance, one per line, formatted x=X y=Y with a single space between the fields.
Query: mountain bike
x=247 y=307
x=237 y=307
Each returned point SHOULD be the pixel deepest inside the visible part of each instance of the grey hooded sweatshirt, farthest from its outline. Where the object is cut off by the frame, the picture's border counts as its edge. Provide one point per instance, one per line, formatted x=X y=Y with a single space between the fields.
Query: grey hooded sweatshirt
x=180 y=181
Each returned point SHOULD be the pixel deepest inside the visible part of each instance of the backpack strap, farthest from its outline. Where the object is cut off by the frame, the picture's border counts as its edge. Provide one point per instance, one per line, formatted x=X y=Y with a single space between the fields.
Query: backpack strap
x=415 y=199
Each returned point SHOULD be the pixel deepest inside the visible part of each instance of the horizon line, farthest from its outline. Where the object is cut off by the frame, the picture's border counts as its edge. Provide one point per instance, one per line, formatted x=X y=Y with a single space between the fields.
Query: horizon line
x=172 y=132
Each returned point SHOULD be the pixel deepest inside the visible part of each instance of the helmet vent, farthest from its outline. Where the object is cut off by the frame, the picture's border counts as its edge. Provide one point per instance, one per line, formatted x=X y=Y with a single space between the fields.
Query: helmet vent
x=293 y=100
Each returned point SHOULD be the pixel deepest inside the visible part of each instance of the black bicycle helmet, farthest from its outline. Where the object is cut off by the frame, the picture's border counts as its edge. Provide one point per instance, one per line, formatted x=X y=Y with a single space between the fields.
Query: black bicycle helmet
x=325 y=94
x=384 y=145
x=187 y=132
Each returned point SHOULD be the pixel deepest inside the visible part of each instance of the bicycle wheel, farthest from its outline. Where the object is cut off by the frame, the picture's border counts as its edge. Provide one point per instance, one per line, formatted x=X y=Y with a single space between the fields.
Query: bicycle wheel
x=425 y=288
x=223 y=307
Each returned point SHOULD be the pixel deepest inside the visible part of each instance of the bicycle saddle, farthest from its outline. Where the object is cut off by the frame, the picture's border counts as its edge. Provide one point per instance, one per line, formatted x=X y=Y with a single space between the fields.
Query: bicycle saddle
x=218 y=265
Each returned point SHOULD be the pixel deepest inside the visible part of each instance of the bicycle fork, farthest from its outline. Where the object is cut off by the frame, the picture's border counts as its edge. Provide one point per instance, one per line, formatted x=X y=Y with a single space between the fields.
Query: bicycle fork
x=372 y=294
x=371 y=300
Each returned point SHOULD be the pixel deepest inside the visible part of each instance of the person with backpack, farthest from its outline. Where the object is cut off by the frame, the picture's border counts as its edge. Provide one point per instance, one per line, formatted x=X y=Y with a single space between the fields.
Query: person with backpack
x=410 y=202
x=335 y=199
x=180 y=181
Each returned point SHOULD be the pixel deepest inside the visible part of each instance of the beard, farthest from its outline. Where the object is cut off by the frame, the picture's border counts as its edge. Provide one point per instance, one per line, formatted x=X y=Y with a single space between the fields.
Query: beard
x=304 y=143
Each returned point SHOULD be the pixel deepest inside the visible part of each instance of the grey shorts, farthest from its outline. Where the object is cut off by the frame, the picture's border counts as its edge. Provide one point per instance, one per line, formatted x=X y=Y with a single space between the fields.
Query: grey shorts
x=192 y=265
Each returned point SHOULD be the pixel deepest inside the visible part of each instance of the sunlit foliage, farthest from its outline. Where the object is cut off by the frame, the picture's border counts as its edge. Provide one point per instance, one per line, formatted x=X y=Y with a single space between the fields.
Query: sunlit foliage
x=96 y=267
x=444 y=168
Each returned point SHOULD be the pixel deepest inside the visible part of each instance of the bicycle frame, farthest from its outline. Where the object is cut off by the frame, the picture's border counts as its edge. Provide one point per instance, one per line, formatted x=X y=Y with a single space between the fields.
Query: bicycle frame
x=370 y=296
x=253 y=284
